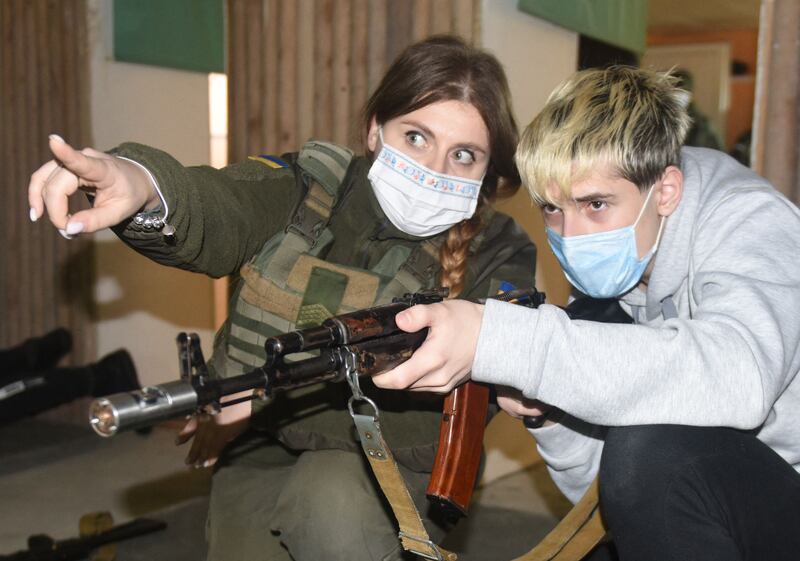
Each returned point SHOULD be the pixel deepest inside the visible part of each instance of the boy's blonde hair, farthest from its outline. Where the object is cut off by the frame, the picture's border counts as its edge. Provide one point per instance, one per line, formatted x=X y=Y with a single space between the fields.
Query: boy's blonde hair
x=633 y=119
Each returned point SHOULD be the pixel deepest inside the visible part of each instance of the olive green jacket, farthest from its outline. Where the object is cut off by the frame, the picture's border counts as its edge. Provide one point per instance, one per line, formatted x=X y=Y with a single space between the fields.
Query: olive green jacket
x=223 y=219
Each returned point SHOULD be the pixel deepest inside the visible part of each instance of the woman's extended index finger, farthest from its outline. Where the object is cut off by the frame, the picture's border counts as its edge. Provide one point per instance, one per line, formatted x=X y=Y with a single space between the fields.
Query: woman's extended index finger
x=89 y=169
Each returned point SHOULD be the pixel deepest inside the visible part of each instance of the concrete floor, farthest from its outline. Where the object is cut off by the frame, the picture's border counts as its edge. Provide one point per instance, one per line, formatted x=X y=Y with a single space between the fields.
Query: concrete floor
x=50 y=475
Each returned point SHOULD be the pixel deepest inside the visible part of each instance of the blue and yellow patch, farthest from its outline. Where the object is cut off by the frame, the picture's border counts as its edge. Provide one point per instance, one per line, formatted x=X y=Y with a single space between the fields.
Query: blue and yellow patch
x=506 y=286
x=271 y=161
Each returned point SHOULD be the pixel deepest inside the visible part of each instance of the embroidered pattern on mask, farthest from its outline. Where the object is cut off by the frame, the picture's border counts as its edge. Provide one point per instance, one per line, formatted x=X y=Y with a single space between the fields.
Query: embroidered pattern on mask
x=425 y=179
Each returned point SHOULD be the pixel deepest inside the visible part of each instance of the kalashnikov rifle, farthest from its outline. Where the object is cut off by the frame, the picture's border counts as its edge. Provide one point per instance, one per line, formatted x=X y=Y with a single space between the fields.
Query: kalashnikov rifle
x=364 y=342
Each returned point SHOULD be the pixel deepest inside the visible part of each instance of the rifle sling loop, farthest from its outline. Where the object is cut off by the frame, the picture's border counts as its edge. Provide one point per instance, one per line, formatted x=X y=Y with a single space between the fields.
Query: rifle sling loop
x=351 y=375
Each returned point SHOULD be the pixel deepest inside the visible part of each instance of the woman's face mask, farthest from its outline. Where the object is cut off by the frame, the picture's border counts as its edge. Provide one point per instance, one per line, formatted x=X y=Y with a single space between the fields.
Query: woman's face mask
x=418 y=200
x=604 y=264
x=429 y=166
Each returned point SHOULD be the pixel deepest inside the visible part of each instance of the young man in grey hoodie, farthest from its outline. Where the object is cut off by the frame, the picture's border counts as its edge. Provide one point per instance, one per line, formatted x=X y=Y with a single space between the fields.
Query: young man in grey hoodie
x=691 y=415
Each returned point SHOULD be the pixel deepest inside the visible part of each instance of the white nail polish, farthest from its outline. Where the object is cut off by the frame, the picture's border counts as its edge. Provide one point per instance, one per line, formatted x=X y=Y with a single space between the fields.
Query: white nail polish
x=207 y=463
x=64 y=234
x=32 y=215
x=75 y=228
x=57 y=138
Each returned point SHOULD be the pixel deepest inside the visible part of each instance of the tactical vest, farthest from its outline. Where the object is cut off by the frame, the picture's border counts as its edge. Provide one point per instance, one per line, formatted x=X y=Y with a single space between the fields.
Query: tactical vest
x=287 y=286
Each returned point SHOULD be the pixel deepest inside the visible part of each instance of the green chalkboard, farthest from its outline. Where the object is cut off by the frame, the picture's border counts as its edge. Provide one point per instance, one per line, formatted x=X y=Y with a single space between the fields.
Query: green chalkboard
x=186 y=34
x=620 y=22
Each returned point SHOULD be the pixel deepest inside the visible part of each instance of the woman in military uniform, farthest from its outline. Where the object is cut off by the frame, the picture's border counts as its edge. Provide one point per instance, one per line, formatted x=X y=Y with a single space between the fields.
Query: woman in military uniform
x=312 y=234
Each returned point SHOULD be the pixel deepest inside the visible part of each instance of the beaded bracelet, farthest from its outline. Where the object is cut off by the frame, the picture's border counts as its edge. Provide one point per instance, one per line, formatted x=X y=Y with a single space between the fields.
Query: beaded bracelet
x=151 y=219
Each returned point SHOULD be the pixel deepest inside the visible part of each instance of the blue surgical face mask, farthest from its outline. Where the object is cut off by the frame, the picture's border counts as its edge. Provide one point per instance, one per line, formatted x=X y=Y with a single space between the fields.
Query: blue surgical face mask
x=605 y=264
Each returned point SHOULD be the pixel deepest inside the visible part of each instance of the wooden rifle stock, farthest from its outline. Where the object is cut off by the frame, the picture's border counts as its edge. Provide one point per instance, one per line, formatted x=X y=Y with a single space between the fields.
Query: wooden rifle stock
x=458 y=457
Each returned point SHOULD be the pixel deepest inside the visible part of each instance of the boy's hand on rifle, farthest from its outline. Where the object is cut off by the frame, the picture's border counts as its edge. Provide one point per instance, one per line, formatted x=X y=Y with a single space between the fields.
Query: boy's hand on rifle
x=211 y=433
x=445 y=358
x=517 y=405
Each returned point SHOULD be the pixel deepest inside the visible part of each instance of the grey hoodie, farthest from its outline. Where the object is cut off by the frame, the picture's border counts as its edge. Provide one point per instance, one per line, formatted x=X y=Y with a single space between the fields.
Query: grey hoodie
x=729 y=260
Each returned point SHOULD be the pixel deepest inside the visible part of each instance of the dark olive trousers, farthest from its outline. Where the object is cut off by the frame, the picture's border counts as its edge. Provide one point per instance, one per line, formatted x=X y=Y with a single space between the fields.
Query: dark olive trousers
x=271 y=503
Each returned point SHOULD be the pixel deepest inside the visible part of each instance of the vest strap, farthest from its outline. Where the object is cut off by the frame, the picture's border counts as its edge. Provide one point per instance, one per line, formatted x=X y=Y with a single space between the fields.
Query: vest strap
x=416 y=273
x=324 y=167
x=327 y=163
x=312 y=216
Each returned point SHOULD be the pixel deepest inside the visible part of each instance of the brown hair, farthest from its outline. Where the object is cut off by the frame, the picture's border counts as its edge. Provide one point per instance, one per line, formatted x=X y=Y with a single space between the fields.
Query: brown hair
x=445 y=68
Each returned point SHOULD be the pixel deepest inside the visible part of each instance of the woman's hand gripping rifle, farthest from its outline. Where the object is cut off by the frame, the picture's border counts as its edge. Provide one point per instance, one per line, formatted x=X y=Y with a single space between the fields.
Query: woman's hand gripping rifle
x=364 y=342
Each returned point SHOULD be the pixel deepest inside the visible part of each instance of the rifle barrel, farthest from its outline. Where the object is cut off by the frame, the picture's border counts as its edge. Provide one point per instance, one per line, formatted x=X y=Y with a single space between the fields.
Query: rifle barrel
x=371 y=335
x=141 y=408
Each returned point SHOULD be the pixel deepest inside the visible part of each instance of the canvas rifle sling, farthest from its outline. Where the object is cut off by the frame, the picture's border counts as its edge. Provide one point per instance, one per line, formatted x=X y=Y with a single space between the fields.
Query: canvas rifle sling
x=413 y=535
x=414 y=274
x=576 y=535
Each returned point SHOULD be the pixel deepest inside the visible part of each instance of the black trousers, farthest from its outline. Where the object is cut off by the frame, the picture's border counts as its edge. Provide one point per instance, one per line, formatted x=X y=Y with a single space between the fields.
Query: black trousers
x=678 y=493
